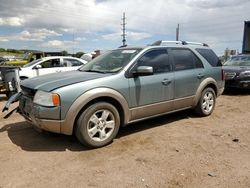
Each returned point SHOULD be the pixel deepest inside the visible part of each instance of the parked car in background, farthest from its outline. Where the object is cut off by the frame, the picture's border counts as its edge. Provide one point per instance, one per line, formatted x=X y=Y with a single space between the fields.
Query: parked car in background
x=31 y=56
x=52 y=64
x=237 y=72
x=2 y=59
x=123 y=86
x=9 y=57
x=87 y=57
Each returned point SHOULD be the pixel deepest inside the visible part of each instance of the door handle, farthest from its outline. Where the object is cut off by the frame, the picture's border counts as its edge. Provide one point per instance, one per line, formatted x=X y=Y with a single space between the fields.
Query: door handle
x=200 y=76
x=166 y=82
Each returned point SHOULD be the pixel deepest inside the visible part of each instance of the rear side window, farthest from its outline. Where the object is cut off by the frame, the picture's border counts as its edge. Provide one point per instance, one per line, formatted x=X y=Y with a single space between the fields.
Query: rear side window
x=185 y=59
x=210 y=56
x=71 y=63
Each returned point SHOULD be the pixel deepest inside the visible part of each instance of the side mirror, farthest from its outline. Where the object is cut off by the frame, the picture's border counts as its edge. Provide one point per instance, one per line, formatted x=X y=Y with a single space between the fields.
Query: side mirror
x=143 y=71
x=38 y=67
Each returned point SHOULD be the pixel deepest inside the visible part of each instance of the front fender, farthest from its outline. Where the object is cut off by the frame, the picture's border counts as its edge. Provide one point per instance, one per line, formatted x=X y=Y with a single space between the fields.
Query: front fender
x=67 y=124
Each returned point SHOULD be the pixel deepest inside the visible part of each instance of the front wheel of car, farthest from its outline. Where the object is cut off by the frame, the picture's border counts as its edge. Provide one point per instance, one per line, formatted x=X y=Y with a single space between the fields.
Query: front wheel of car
x=98 y=125
x=206 y=102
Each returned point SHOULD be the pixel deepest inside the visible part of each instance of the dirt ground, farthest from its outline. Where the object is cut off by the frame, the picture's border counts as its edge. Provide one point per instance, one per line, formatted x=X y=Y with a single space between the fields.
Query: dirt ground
x=177 y=150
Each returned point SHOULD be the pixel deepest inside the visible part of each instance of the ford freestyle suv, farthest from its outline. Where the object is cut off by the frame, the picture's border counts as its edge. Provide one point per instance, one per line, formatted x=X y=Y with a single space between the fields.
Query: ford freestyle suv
x=122 y=86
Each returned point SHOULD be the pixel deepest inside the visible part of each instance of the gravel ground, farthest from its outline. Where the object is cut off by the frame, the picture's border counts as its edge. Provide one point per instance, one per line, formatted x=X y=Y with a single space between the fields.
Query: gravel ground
x=177 y=150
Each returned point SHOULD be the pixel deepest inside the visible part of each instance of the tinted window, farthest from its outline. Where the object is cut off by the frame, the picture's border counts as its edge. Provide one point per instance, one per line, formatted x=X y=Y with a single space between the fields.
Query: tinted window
x=198 y=63
x=183 y=59
x=158 y=59
x=210 y=56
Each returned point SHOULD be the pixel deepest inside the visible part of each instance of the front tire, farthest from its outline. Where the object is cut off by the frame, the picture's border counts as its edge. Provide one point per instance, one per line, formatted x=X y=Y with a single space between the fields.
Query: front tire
x=206 y=103
x=98 y=125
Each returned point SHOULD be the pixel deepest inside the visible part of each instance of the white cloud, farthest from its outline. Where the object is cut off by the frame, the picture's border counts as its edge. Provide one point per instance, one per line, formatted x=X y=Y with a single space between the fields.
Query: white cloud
x=210 y=21
x=36 y=35
x=138 y=35
x=53 y=43
x=130 y=34
x=215 y=3
x=3 y=39
x=80 y=38
x=11 y=21
x=31 y=35
x=58 y=44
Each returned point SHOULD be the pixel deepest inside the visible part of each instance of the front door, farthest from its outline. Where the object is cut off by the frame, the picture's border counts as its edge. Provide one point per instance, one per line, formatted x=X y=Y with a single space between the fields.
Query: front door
x=152 y=94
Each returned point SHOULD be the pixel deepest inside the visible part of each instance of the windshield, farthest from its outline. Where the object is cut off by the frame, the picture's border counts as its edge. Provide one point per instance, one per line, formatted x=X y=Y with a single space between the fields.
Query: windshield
x=26 y=56
x=110 y=62
x=238 y=61
x=32 y=63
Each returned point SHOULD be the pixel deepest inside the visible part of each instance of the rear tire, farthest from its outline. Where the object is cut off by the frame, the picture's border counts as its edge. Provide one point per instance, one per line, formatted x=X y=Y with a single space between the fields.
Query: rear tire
x=98 y=125
x=206 y=102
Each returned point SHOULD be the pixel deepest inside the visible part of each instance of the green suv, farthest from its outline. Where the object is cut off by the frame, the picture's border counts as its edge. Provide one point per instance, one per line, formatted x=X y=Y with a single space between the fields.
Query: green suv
x=122 y=86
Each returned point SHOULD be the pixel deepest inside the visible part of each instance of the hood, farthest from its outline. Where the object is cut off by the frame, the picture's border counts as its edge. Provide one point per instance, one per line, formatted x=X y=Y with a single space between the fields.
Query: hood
x=50 y=82
x=235 y=68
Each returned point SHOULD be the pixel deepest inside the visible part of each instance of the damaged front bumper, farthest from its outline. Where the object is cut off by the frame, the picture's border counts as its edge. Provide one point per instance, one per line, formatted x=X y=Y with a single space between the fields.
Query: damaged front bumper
x=30 y=112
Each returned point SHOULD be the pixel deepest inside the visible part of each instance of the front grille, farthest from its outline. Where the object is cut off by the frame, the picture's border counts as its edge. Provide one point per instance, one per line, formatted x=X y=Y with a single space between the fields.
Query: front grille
x=28 y=92
x=229 y=75
x=26 y=105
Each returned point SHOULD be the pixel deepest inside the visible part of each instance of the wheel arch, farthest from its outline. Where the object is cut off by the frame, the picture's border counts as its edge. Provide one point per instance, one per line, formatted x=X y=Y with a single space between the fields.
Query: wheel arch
x=90 y=97
x=208 y=82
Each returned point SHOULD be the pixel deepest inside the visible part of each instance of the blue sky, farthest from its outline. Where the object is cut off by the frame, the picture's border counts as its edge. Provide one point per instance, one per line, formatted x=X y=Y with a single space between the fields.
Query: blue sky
x=87 y=25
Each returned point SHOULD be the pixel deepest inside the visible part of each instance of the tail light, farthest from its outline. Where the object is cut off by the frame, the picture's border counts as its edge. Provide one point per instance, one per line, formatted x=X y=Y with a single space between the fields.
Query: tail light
x=222 y=74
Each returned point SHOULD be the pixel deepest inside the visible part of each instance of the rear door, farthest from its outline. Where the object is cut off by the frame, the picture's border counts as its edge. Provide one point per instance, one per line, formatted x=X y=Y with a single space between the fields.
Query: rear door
x=49 y=66
x=188 y=73
x=69 y=64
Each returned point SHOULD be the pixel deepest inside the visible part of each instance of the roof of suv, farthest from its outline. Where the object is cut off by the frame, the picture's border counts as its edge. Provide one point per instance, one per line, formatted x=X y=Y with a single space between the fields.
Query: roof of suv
x=161 y=43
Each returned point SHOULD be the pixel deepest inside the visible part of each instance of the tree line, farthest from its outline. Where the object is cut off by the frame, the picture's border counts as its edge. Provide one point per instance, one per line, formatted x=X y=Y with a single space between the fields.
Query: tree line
x=64 y=52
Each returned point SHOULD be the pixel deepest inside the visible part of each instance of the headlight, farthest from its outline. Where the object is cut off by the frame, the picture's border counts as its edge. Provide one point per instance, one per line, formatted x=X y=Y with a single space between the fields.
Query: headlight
x=46 y=99
x=244 y=74
x=0 y=76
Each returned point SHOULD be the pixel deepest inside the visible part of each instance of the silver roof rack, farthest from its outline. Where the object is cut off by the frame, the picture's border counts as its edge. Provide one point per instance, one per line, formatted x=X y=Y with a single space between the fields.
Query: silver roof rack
x=163 y=43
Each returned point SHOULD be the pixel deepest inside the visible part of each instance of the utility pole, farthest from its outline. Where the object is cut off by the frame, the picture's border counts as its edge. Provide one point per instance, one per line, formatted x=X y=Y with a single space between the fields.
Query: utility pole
x=123 y=30
x=177 y=32
x=73 y=43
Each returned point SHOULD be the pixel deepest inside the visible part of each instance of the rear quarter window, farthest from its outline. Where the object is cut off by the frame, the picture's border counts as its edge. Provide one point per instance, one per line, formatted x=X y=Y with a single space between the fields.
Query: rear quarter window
x=210 y=56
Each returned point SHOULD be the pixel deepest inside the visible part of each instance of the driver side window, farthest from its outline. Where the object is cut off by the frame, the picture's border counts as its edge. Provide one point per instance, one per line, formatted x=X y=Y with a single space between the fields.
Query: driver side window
x=158 y=59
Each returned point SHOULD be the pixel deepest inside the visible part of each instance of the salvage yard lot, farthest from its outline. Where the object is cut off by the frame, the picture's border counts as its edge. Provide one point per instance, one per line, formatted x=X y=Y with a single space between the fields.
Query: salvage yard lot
x=177 y=150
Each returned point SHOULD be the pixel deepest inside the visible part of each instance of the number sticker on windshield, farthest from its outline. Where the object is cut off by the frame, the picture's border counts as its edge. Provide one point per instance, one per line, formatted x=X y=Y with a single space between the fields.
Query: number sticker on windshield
x=128 y=51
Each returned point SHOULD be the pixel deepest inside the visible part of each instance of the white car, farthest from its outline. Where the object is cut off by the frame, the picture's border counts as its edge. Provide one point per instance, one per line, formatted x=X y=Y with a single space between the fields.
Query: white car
x=52 y=64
